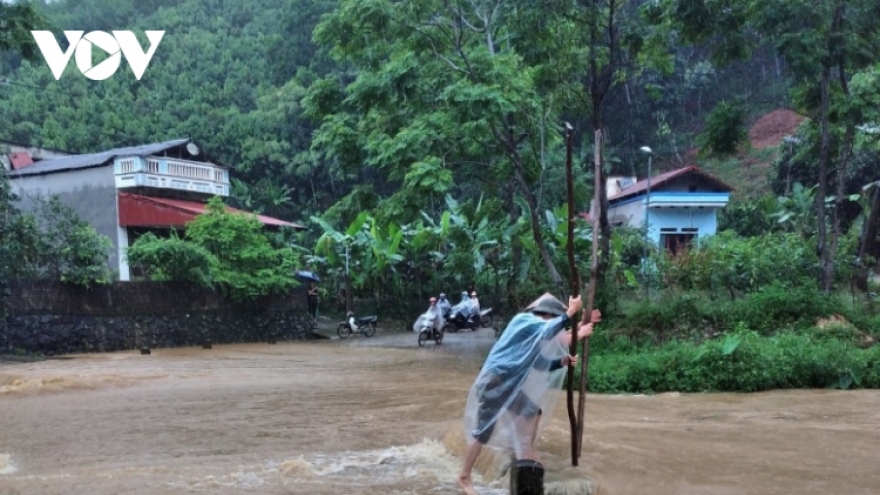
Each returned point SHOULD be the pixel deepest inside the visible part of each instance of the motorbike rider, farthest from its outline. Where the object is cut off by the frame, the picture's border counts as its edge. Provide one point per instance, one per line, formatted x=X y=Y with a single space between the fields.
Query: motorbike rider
x=475 y=305
x=432 y=317
x=352 y=322
x=465 y=308
x=444 y=305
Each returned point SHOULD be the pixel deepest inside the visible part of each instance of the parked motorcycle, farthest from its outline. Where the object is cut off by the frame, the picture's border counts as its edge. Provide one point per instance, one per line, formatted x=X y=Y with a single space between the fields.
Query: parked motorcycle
x=366 y=326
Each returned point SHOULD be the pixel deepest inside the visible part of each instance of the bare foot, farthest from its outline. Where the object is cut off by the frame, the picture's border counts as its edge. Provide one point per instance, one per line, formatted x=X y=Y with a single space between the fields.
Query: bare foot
x=464 y=481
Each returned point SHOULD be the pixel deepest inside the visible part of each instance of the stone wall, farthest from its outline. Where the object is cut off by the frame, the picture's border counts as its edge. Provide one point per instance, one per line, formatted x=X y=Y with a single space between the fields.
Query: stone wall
x=53 y=318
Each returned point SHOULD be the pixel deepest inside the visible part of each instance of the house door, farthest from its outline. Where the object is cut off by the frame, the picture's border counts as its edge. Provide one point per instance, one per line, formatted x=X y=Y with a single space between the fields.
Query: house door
x=675 y=243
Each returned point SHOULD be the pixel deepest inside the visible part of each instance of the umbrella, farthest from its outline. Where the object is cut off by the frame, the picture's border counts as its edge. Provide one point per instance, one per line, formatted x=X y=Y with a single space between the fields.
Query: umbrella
x=308 y=276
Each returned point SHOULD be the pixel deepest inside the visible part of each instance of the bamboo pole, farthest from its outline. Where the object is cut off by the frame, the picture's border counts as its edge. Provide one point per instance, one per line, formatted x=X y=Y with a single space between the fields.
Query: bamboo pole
x=591 y=292
x=575 y=291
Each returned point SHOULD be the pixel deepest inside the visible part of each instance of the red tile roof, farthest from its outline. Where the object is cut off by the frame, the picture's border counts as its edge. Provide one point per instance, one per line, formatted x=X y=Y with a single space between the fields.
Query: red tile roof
x=20 y=159
x=148 y=211
x=642 y=185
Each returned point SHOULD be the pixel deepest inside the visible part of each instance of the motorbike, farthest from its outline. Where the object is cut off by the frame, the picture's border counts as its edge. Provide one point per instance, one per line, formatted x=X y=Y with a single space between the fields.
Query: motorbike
x=366 y=326
x=425 y=326
x=456 y=321
x=486 y=318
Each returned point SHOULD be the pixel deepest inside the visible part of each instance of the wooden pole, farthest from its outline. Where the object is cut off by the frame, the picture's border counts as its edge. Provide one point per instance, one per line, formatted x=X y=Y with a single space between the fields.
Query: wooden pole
x=575 y=291
x=591 y=294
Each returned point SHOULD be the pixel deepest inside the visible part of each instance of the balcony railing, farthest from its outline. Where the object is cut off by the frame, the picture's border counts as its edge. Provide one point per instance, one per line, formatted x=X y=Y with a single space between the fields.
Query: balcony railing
x=171 y=173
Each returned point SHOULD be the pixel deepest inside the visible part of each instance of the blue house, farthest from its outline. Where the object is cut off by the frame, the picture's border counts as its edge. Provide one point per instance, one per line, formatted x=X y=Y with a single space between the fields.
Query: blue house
x=683 y=205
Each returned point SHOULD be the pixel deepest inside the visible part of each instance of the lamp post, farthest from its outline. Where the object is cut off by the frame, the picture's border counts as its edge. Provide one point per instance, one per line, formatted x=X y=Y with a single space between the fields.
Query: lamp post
x=645 y=149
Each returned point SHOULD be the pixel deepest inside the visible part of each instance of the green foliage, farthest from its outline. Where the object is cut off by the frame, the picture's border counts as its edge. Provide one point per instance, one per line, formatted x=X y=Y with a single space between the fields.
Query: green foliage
x=749 y=218
x=173 y=259
x=733 y=264
x=17 y=20
x=742 y=361
x=695 y=317
x=72 y=251
x=725 y=130
x=51 y=244
x=230 y=251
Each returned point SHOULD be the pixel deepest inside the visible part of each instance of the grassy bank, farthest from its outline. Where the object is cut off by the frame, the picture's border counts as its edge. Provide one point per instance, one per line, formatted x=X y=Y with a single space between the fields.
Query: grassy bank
x=775 y=338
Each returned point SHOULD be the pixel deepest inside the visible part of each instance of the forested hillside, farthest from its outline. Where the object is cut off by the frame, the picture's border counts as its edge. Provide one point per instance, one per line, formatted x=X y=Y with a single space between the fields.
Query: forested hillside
x=233 y=75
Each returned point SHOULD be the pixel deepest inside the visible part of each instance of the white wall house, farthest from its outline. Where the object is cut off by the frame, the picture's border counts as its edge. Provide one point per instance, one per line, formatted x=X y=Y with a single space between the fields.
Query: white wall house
x=125 y=192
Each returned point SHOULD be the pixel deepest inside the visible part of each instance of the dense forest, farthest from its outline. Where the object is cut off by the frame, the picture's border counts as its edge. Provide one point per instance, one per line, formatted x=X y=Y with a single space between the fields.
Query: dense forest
x=423 y=142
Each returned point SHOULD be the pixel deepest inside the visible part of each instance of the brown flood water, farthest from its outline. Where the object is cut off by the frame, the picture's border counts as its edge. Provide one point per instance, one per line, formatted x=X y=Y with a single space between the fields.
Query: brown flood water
x=383 y=416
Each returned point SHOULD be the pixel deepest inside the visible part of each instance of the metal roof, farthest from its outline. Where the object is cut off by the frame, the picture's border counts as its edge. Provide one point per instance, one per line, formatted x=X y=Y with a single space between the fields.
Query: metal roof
x=90 y=160
x=136 y=210
x=642 y=185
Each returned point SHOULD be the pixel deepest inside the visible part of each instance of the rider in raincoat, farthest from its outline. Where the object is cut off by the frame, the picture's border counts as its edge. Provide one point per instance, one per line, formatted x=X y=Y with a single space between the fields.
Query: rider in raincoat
x=433 y=317
x=444 y=305
x=465 y=307
x=510 y=393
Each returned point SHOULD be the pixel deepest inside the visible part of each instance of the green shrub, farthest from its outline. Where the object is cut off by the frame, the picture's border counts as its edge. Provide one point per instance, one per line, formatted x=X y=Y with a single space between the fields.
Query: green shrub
x=780 y=306
x=172 y=259
x=741 y=361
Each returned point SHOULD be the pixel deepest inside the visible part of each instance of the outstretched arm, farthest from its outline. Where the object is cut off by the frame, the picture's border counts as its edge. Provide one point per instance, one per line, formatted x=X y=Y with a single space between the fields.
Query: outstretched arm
x=584 y=330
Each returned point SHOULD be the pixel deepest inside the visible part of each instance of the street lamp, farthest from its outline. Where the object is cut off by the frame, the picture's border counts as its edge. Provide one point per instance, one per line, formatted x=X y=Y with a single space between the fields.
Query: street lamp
x=645 y=149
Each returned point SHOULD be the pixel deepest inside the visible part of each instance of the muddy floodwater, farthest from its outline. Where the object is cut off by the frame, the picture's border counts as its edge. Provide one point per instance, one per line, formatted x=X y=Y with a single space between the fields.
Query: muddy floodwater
x=383 y=416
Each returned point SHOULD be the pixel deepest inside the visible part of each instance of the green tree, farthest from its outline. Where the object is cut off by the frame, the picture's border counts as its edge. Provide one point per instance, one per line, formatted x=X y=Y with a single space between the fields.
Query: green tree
x=52 y=244
x=173 y=259
x=233 y=248
x=824 y=44
x=444 y=97
x=72 y=251
x=17 y=19
x=725 y=130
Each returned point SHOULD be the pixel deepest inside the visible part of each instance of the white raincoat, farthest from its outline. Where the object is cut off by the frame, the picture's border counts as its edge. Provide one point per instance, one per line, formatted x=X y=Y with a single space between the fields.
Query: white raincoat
x=433 y=317
x=512 y=387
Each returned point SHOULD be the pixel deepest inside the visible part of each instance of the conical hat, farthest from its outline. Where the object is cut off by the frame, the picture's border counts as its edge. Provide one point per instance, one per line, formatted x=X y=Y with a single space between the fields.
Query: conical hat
x=547 y=304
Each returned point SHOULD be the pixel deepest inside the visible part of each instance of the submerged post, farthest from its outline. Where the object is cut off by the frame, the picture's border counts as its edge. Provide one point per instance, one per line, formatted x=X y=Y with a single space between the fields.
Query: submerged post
x=526 y=477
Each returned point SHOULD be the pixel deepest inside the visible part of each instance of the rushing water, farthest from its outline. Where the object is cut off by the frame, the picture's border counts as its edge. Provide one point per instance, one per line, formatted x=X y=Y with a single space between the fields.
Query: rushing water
x=383 y=416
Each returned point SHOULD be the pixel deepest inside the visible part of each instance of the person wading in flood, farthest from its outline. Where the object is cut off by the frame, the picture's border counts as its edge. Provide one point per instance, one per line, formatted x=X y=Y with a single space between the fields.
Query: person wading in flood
x=510 y=394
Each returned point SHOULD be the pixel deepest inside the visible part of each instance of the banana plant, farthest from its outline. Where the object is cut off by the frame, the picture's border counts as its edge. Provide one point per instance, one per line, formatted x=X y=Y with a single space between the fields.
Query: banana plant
x=344 y=249
x=797 y=211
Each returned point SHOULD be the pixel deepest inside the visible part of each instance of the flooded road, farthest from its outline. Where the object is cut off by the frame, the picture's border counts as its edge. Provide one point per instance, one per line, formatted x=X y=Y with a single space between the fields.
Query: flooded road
x=383 y=416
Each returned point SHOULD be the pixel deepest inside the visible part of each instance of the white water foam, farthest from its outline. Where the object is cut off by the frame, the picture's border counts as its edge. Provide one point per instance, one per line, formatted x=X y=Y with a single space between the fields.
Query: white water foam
x=420 y=468
x=425 y=464
x=6 y=466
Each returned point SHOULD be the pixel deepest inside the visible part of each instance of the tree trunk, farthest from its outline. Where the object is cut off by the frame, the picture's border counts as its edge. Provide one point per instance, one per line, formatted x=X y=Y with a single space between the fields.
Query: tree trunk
x=602 y=198
x=868 y=240
x=823 y=248
x=516 y=251
x=535 y=222
x=845 y=154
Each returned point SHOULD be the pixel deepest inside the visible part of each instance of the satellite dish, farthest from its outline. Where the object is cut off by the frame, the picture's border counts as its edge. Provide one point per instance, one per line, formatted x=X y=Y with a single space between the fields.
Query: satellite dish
x=192 y=149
